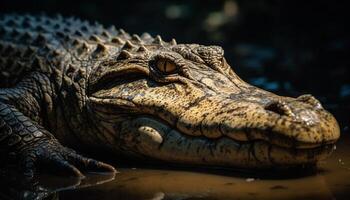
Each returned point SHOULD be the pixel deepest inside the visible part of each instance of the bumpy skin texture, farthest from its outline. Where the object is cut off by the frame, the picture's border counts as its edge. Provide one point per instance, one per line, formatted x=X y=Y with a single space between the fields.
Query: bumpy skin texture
x=67 y=81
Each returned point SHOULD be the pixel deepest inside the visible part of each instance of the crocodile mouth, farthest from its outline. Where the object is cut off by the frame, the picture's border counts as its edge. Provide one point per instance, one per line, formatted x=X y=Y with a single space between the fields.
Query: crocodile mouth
x=157 y=139
x=212 y=130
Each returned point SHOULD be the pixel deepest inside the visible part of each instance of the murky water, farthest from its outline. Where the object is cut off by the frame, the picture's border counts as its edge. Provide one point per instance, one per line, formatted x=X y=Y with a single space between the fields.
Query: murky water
x=330 y=181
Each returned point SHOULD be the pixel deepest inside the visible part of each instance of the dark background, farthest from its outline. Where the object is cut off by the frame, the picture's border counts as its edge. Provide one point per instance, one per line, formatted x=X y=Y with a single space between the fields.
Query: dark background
x=288 y=47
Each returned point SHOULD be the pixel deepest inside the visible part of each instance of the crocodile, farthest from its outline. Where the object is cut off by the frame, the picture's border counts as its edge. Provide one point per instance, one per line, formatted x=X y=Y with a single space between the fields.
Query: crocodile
x=69 y=85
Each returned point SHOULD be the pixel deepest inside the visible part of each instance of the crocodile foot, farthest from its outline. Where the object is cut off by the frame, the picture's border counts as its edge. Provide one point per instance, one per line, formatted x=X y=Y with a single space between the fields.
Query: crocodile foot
x=49 y=152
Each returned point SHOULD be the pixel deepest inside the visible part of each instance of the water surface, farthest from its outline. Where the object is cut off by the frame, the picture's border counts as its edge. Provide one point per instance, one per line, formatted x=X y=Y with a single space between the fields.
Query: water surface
x=331 y=180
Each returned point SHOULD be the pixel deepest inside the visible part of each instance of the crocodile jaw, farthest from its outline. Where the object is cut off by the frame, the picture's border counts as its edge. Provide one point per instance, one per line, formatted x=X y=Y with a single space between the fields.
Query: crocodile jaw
x=155 y=139
x=220 y=131
x=259 y=130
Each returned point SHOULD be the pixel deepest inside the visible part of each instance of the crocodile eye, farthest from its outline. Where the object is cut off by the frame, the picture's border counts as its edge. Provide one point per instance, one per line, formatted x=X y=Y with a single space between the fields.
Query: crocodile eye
x=166 y=66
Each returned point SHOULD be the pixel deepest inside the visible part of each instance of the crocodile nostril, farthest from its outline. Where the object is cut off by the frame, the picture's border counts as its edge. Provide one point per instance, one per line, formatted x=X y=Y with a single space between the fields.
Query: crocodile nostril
x=280 y=108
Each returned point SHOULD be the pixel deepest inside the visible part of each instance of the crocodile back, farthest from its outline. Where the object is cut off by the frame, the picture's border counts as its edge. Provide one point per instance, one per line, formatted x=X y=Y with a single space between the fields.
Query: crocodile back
x=47 y=44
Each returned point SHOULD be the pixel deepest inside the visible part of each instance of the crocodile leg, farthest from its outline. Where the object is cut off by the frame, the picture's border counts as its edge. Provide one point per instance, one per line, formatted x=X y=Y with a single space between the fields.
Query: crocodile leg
x=28 y=142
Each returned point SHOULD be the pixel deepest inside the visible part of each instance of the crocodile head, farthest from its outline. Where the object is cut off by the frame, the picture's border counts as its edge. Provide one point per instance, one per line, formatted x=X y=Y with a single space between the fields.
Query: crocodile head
x=182 y=103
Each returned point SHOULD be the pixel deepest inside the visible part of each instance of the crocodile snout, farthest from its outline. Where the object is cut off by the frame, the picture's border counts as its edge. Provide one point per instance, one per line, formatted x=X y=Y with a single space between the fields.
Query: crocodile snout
x=304 y=121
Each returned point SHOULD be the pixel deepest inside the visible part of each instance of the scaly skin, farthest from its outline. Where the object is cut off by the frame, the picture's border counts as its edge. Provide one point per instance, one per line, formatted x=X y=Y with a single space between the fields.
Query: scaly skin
x=66 y=81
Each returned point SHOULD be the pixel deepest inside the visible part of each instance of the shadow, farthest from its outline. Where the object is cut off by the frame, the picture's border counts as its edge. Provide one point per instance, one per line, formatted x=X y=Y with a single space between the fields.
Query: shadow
x=292 y=172
x=44 y=186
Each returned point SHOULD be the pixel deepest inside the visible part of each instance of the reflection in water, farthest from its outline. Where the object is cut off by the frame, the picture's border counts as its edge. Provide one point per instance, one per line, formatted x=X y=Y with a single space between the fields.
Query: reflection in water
x=332 y=181
x=46 y=187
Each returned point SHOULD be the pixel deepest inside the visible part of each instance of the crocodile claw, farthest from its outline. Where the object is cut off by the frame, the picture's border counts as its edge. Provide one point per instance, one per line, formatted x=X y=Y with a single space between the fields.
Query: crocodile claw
x=64 y=160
